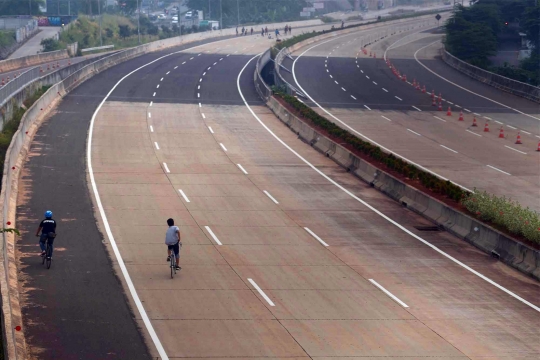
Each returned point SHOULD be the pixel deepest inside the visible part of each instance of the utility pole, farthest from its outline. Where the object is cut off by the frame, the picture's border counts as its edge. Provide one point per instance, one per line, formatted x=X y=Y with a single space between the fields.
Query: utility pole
x=138 y=22
x=30 y=6
x=209 y=11
x=238 y=11
x=99 y=14
x=221 y=16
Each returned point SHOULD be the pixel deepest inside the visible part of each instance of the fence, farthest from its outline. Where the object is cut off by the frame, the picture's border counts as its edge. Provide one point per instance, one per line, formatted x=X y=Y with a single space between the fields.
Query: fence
x=515 y=87
x=18 y=83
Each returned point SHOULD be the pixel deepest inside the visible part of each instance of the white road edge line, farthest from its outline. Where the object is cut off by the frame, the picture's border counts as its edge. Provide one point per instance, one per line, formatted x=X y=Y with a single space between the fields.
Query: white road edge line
x=261 y=292
x=315 y=236
x=184 y=195
x=355 y=131
x=108 y=231
x=223 y=147
x=494 y=168
x=388 y=293
x=270 y=196
x=445 y=79
x=391 y=221
x=242 y=168
x=213 y=235
x=519 y=151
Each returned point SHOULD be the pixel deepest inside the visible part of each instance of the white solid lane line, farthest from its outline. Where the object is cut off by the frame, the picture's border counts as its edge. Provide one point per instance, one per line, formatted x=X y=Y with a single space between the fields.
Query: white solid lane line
x=367 y=205
x=270 y=196
x=445 y=79
x=526 y=132
x=210 y=128
x=397 y=97
x=498 y=122
x=447 y=148
x=214 y=237
x=367 y=107
x=384 y=117
x=261 y=292
x=184 y=195
x=151 y=128
x=467 y=110
x=388 y=293
x=242 y=168
x=494 y=168
x=315 y=236
x=416 y=108
x=157 y=145
x=456 y=105
x=519 y=151
x=414 y=132
x=223 y=147
x=438 y=118
x=485 y=117
x=451 y=103
x=166 y=167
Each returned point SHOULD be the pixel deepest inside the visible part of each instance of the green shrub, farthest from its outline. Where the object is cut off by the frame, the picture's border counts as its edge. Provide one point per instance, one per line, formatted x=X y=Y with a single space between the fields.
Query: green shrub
x=504 y=212
x=410 y=171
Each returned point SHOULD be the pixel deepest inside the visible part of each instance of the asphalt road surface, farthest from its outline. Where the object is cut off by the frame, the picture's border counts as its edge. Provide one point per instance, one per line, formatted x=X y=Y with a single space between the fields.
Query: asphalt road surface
x=363 y=95
x=284 y=253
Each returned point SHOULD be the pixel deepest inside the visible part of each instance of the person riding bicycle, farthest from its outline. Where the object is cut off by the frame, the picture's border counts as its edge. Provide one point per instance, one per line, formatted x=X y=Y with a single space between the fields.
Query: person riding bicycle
x=172 y=240
x=48 y=232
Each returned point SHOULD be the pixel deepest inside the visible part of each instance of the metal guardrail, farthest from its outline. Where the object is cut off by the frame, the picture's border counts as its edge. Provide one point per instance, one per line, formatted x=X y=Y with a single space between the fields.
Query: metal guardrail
x=98 y=48
x=18 y=83
x=515 y=87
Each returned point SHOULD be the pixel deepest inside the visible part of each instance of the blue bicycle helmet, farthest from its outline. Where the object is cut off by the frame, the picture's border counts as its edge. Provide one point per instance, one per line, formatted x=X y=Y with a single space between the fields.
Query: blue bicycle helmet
x=48 y=214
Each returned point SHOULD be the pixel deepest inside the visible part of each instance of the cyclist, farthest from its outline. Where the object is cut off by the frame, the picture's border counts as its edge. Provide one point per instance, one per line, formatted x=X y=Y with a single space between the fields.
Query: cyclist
x=172 y=239
x=48 y=232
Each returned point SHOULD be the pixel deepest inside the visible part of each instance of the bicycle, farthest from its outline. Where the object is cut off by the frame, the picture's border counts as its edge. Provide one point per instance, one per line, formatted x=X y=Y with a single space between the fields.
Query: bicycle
x=173 y=264
x=47 y=258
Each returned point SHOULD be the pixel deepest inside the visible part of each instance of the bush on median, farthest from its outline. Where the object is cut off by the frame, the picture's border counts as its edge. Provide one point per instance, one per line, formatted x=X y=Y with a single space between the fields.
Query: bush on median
x=505 y=213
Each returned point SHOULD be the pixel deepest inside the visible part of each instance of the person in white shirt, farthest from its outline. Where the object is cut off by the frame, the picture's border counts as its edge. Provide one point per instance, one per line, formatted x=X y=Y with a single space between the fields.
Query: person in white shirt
x=172 y=240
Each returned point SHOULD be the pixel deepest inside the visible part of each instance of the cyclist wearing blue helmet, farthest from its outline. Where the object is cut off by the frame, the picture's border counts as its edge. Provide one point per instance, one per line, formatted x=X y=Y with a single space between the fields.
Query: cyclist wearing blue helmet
x=47 y=227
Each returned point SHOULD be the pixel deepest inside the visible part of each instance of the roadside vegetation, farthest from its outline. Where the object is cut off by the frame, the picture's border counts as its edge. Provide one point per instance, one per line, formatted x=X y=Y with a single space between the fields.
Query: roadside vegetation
x=7 y=38
x=504 y=214
x=11 y=126
x=473 y=33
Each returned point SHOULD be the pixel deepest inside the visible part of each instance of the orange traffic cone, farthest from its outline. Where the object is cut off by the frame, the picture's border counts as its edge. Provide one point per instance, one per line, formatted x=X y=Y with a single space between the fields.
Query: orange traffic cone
x=40 y=69
x=433 y=94
x=538 y=147
x=424 y=89
x=48 y=67
x=440 y=97
x=3 y=82
x=501 y=133
x=440 y=106
x=414 y=83
x=461 y=116
x=518 y=139
x=418 y=86
x=449 y=112
x=404 y=77
x=433 y=103
x=474 y=122
x=486 y=127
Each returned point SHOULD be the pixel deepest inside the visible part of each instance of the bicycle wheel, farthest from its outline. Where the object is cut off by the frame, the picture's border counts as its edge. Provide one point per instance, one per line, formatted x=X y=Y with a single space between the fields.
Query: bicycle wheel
x=173 y=262
x=43 y=258
x=48 y=256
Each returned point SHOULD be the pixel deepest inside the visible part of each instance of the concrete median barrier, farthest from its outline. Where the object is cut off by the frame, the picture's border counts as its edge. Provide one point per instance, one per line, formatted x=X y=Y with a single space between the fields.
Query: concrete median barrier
x=31 y=60
x=510 y=251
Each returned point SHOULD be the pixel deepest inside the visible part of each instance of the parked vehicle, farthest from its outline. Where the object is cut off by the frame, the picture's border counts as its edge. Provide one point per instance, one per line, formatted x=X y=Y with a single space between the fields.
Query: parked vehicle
x=189 y=15
x=162 y=17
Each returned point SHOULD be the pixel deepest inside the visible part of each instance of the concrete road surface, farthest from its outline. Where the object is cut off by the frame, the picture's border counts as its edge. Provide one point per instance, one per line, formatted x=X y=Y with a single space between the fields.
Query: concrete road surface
x=361 y=94
x=33 y=46
x=285 y=254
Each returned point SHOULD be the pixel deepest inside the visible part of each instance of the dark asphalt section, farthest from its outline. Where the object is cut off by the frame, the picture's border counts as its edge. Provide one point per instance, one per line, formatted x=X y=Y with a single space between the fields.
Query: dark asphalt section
x=78 y=308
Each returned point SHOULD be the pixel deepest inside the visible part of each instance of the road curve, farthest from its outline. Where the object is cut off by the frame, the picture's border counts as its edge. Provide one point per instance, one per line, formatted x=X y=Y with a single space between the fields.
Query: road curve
x=363 y=95
x=284 y=253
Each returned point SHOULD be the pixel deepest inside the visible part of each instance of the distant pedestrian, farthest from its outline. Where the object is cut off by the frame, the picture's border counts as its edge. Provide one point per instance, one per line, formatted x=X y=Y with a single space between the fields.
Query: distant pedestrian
x=266 y=31
x=262 y=32
x=277 y=33
x=251 y=31
x=243 y=30
x=237 y=31
x=290 y=29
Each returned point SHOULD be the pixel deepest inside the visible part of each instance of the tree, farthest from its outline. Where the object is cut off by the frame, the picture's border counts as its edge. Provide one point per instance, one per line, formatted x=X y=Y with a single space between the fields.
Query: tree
x=124 y=31
x=470 y=42
x=19 y=7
